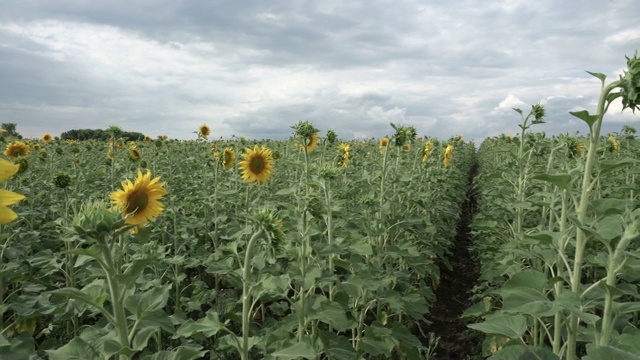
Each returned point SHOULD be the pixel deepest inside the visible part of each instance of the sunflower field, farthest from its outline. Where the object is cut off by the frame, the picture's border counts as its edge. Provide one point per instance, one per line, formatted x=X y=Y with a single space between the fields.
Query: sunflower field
x=164 y=249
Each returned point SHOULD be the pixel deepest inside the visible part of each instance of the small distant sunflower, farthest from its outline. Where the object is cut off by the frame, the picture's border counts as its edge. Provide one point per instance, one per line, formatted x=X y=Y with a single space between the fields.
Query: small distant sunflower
x=139 y=200
x=147 y=139
x=134 y=154
x=36 y=147
x=447 y=156
x=165 y=137
x=121 y=145
x=406 y=147
x=384 y=142
x=613 y=145
x=428 y=147
x=46 y=138
x=344 y=160
x=312 y=142
x=257 y=165
x=204 y=131
x=228 y=158
x=16 y=149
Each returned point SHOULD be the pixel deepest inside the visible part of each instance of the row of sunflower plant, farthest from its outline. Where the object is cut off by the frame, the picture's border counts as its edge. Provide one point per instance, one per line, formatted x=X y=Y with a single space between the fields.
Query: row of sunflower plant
x=556 y=234
x=163 y=249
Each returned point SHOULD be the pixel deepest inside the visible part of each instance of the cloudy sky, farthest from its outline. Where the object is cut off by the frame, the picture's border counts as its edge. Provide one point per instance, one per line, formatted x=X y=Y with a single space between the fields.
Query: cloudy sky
x=255 y=68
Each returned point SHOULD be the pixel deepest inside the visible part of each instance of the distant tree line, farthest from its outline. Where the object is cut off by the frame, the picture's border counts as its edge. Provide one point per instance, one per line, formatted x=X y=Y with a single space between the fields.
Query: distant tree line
x=99 y=134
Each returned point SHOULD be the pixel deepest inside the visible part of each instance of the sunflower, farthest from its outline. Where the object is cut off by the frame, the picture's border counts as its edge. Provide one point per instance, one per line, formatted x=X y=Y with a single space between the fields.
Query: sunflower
x=204 y=131
x=428 y=146
x=165 y=137
x=36 y=147
x=109 y=154
x=7 y=170
x=257 y=164
x=147 y=139
x=134 y=154
x=447 y=156
x=228 y=158
x=46 y=138
x=384 y=142
x=138 y=201
x=121 y=145
x=613 y=145
x=406 y=147
x=312 y=142
x=17 y=149
x=344 y=160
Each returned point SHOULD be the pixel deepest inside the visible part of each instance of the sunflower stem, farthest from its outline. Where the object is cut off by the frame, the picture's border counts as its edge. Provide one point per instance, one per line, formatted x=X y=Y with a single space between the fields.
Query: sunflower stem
x=246 y=296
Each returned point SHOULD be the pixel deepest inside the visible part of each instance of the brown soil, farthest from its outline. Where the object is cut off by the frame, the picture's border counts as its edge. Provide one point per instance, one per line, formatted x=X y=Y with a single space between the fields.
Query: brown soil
x=457 y=342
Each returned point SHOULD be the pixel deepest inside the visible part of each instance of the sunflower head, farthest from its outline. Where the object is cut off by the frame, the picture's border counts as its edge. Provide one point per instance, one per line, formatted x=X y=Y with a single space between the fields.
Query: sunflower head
x=331 y=136
x=447 y=156
x=17 y=149
x=95 y=220
x=36 y=147
x=134 y=154
x=312 y=141
x=228 y=158
x=384 y=142
x=257 y=165
x=46 y=138
x=204 y=131
x=138 y=202
x=147 y=139
x=613 y=145
x=304 y=129
x=406 y=147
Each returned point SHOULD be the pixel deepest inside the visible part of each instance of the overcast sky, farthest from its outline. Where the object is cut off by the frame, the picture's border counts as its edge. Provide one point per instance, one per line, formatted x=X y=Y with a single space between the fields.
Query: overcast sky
x=255 y=68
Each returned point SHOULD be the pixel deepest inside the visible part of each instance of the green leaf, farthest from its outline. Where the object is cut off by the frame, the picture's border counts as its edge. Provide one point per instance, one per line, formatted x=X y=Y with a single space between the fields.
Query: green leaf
x=361 y=248
x=520 y=352
x=76 y=349
x=529 y=278
x=584 y=116
x=181 y=353
x=610 y=227
x=609 y=352
x=296 y=351
x=560 y=180
x=600 y=76
x=512 y=326
x=607 y=166
x=148 y=302
x=207 y=326
x=287 y=191
x=337 y=347
x=332 y=313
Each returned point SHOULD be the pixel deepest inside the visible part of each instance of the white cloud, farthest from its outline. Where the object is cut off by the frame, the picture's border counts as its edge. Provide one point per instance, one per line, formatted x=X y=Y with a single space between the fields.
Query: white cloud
x=510 y=102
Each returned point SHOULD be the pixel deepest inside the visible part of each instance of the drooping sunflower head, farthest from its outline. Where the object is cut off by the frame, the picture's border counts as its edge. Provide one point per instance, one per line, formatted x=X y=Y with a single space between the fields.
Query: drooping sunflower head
x=17 y=149
x=204 y=131
x=384 y=142
x=447 y=156
x=138 y=202
x=613 y=145
x=428 y=147
x=46 y=138
x=312 y=142
x=228 y=158
x=257 y=165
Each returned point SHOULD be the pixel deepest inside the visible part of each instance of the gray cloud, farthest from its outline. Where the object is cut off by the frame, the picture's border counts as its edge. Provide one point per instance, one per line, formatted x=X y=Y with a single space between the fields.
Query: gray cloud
x=255 y=68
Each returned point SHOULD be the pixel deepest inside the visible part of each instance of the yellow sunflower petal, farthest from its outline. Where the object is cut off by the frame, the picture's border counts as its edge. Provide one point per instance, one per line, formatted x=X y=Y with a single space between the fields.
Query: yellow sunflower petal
x=7 y=215
x=7 y=169
x=9 y=197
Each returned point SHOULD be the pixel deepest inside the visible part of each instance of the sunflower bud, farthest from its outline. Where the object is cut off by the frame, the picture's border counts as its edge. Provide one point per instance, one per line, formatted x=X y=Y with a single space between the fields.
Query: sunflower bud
x=630 y=84
x=304 y=129
x=62 y=181
x=331 y=136
x=96 y=220
x=328 y=172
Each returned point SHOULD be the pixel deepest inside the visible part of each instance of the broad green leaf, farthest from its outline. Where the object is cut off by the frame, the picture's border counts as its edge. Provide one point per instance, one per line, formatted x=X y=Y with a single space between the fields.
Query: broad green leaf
x=512 y=326
x=337 y=347
x=286 y=191
x=609 y=352
x=607 y=166
x=333 y=314
x=296 y=351
x=610 y=227
x=404 y=336
x=520 y=352
x=76 y=349
x=560 y=180
x=207 y=326
x=529 y=278
x=181 y=353
x=584 y=116
x=149 y=301
x=361 y=248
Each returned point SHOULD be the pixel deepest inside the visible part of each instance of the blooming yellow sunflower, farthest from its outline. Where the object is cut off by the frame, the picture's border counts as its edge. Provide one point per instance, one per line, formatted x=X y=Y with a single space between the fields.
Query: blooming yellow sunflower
x=138 y=201
x=406 y=147
x=228 y=158
x=204 y=131
x=257 y=165
x=312 y=142
x=147 y=139
x=36 y=147
x=165 y=137
x=7 y=170
x=613 y=146
x=384 y=142
x=447 y=156
x=109 y=154
x=46 y=138
x=16 y=149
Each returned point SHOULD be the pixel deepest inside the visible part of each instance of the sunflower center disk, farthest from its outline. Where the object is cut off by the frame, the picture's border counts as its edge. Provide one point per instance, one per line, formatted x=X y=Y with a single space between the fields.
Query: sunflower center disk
x=137 y=202
x=256 y=165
